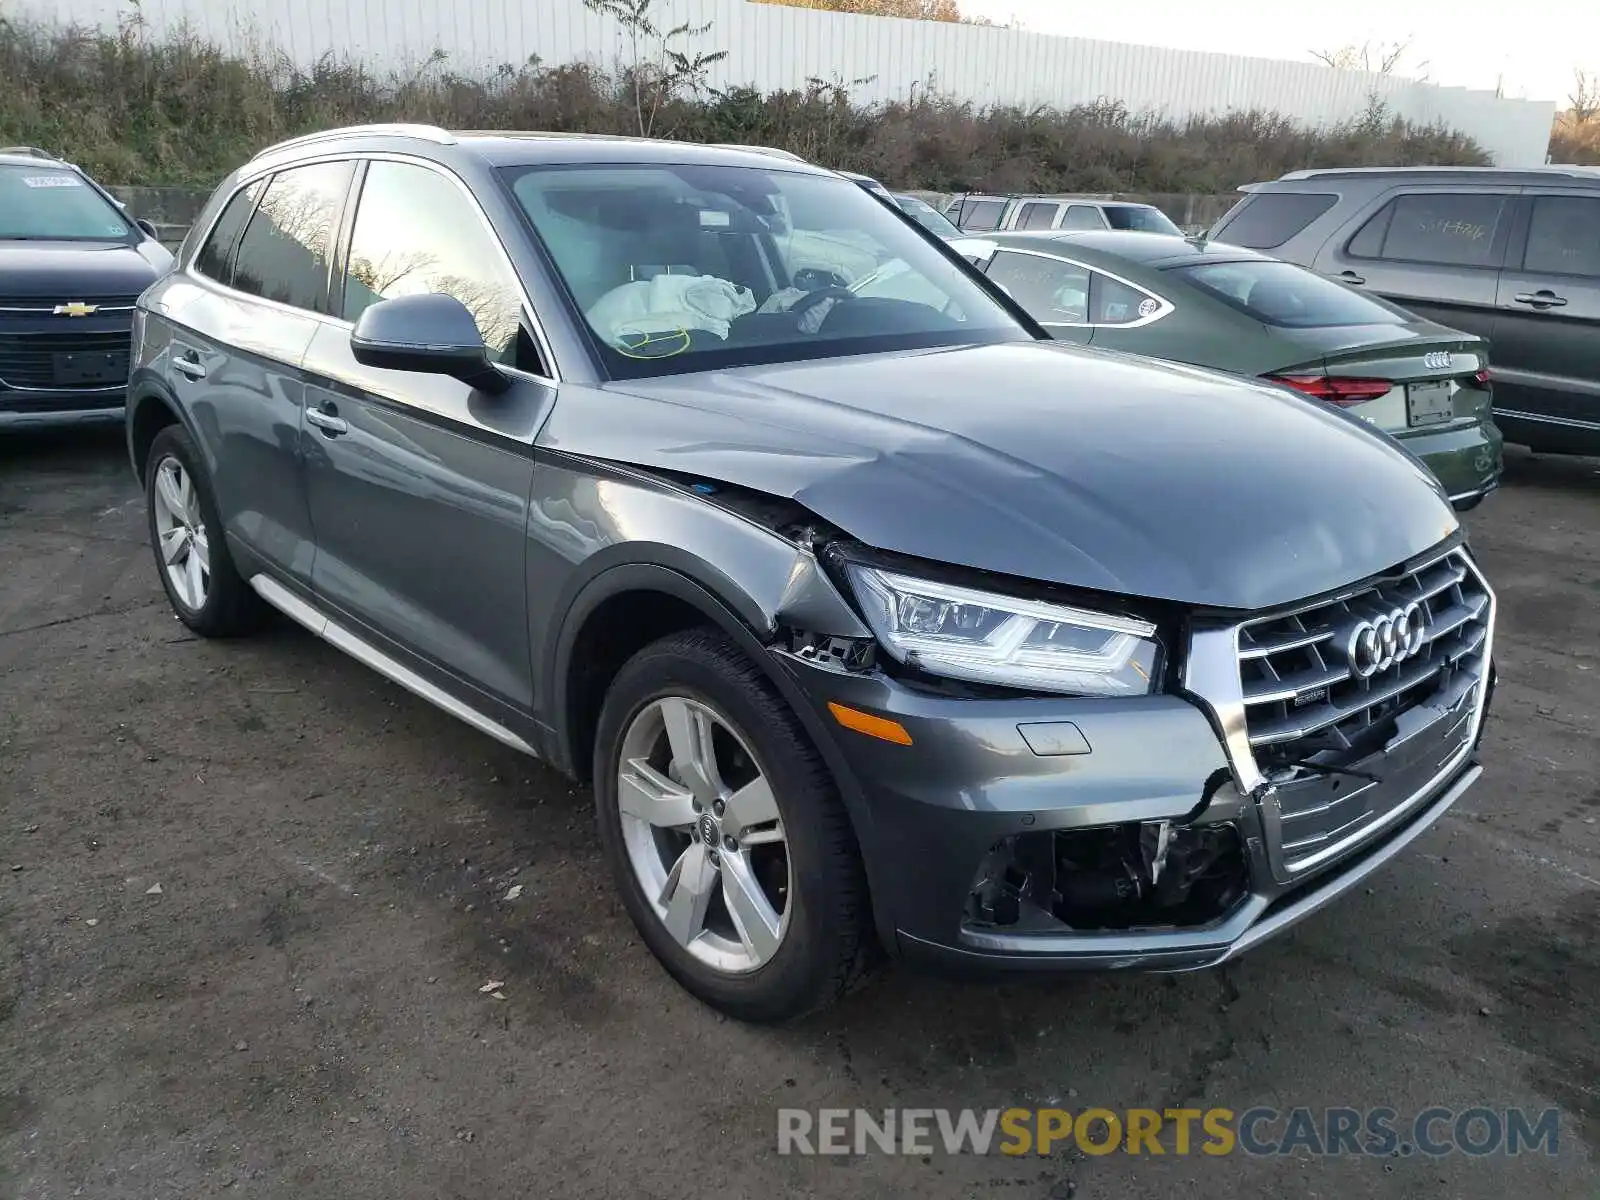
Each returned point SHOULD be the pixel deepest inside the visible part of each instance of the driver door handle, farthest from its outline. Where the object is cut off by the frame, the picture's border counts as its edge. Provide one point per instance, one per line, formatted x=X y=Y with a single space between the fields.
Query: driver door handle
x=1541 y=299
x=188 y=364
x=328 y=420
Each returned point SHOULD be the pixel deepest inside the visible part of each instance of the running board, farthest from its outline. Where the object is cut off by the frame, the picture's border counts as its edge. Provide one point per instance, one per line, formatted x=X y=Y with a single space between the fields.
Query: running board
x=335 y=634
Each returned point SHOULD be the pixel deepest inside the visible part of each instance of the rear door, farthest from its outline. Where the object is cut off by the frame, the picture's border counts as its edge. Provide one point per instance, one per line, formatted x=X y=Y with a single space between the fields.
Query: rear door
x=236 y=350
x=419 y=484
x=1434 y=250
x=1547 y=334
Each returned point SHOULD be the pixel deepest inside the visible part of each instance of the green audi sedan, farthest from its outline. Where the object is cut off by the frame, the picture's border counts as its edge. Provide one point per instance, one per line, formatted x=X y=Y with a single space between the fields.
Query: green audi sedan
x=1235 y=310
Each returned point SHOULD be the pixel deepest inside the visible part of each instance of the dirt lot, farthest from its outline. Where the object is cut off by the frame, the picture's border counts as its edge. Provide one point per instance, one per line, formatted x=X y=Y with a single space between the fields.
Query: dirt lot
x=296 y=1011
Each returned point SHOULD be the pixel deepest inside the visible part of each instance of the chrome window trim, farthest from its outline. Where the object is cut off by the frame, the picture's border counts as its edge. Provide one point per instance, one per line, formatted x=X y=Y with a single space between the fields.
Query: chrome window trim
x=541 y=341
x=1164 y=307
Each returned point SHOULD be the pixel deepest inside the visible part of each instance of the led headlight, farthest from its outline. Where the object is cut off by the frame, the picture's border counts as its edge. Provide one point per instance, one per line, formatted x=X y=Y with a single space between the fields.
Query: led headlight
x=989 y=638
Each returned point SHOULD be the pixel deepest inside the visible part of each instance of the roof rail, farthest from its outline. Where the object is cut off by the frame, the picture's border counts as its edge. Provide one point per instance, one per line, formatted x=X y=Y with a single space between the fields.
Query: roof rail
x=29 y=152
x=1561 y=170
x=428 y=133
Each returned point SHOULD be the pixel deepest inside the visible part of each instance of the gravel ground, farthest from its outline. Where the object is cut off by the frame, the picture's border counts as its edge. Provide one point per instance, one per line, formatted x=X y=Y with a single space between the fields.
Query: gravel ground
x=250 y=893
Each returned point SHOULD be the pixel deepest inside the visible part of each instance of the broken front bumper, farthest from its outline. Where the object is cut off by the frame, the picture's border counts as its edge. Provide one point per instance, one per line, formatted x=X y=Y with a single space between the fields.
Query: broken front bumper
x=986 y=773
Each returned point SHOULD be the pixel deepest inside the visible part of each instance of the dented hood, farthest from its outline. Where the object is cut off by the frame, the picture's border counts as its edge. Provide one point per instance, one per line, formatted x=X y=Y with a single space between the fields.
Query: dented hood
x=1043 y=461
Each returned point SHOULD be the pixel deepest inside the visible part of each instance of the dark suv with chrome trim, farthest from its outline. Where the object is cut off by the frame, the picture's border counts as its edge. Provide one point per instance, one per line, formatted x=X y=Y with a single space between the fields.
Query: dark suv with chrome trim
x=1510 y=255
x=72 y=263
x=861 y=603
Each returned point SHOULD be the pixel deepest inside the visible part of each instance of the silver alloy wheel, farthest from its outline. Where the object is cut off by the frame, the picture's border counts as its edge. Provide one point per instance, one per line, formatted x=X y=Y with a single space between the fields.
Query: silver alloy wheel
x=181 y=534
x=703 y=834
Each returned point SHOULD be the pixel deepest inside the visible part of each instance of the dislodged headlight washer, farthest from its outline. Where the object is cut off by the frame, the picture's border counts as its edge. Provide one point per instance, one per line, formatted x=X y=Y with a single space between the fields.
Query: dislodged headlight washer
x=961 y=633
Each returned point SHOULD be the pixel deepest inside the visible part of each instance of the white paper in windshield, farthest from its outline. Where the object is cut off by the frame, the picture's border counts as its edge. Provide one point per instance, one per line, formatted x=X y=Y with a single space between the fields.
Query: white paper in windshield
x=51 y=181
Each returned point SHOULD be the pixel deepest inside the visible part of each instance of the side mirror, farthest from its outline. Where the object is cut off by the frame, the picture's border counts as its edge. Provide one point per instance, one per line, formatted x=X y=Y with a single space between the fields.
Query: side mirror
x=431 y=333
x=148 y=228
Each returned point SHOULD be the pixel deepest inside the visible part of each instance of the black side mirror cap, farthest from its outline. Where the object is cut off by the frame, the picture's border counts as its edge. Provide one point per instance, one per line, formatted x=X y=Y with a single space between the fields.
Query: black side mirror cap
x=148 y=228
x=432 y=334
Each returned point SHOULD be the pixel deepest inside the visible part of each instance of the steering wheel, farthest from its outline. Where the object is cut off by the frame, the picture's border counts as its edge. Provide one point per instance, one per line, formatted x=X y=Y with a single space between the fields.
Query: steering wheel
x=810 y=301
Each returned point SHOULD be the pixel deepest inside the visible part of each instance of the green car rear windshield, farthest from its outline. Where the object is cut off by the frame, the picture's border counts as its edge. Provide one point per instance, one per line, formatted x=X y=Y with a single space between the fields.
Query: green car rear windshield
x=48 y=203
x=1280 y=293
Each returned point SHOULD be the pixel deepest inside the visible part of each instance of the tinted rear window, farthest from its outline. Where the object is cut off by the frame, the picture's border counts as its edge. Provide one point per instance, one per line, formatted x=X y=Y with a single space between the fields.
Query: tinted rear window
x=1037 y=216
x=1279 y=293
x=1269 y=219
x=982 y=214
x=1455 y=229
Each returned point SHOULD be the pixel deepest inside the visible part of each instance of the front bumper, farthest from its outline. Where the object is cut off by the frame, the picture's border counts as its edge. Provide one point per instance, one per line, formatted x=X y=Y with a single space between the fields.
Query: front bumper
x=51 y=410
x=970 y=780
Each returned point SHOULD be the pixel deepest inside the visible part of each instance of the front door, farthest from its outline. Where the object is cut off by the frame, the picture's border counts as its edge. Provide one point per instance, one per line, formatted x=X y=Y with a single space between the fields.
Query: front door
x=1546 y=355
x=1055 y=292
x=418 y=484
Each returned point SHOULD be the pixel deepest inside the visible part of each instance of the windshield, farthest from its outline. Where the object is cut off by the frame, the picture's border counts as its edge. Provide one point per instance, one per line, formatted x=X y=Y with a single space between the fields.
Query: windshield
x=693 y=268
x=1140 y=218
x=1281 y=293
x=49 y=203
x=928 y=217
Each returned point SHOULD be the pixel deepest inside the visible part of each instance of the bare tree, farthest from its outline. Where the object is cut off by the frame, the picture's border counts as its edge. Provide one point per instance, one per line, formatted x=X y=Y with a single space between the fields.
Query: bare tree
x=660 y=67
x=1376 y=58
x=1584 y=102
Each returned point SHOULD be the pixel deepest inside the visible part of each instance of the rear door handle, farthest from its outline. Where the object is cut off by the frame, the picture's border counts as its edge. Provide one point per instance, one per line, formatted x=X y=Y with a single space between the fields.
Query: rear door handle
x=188 y=363
x=1541 y=299
x=328 y=420
x=1351 y=277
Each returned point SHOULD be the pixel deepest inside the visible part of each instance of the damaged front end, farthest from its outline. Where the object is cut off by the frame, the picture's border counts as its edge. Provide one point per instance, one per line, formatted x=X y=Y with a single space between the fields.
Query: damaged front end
x=1147 y=876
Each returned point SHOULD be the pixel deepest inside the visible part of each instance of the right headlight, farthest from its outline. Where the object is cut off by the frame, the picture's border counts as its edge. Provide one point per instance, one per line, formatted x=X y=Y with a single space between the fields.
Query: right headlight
x=990 y=638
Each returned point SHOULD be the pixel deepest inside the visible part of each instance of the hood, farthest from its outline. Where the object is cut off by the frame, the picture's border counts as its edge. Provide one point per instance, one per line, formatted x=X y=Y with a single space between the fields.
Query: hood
x=1047 y=462
x=73 y=270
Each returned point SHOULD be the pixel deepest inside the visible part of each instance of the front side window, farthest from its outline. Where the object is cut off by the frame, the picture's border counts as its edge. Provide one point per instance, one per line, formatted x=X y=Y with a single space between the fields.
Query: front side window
x=416 y=232
x=1082 y=216
x=927 y=216
x=287 y=246
x=1141 y=218
x=48 y=203
x=678 y=268
x=1455 y=229
x=1280 y=293
x=1053 y=291
x=215 y=259
x=1564 y=237
x=1037 y=216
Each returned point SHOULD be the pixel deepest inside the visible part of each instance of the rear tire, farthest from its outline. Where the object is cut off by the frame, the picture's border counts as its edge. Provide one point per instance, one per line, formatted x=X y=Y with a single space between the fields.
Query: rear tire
x=192 y=559
x=691 y=729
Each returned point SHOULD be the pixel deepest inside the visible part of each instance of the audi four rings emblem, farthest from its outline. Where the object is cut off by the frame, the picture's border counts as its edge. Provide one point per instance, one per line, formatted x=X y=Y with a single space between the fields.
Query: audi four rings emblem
x=1380 y=642
x=1436 y=360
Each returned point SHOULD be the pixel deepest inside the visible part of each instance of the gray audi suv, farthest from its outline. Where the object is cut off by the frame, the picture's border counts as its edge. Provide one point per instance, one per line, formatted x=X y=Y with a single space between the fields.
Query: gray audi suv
x=880 y=623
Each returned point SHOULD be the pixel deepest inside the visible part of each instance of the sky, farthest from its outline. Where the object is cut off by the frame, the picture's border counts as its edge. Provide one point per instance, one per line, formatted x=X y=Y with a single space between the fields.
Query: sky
x=1529 y=47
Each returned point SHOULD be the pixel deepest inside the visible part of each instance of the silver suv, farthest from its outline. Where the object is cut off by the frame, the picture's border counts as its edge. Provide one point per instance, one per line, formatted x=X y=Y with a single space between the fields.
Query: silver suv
x=1513 y=256
x=878 y=620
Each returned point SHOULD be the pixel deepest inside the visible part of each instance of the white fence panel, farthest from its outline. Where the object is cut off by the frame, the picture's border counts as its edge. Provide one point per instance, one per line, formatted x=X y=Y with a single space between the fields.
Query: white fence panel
x=774 y=47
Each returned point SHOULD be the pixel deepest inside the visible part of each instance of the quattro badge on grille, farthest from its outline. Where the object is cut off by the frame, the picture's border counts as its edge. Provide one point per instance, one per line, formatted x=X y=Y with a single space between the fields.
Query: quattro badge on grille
x=1383 y=641
x=74 y=308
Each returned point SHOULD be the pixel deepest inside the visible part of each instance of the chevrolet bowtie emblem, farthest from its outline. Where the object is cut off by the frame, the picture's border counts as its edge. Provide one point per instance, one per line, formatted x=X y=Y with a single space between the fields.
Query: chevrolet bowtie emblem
x=74 y=308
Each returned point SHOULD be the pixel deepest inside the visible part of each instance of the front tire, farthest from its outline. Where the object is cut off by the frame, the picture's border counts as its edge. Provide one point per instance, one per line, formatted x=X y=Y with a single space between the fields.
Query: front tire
x=196 y=570
x=725 y=832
